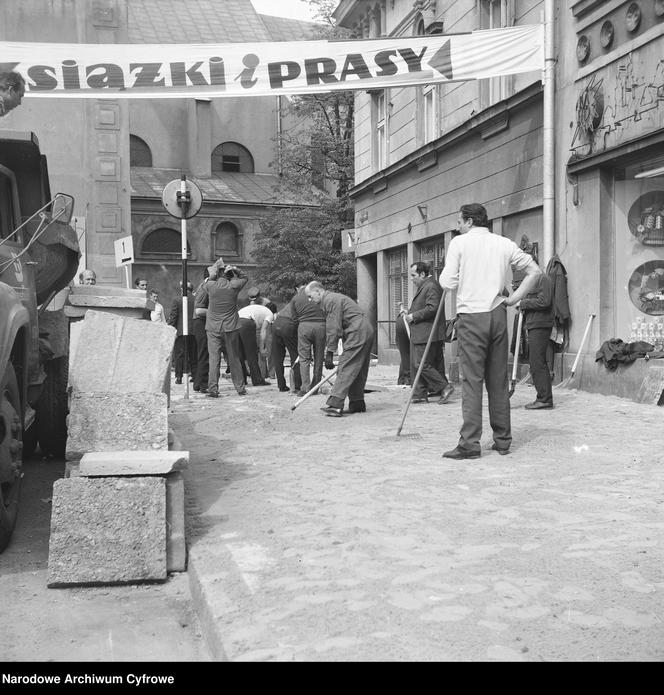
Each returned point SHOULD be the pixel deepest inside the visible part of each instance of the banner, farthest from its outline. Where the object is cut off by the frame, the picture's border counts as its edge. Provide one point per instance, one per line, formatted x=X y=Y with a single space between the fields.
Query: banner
x=136 y=71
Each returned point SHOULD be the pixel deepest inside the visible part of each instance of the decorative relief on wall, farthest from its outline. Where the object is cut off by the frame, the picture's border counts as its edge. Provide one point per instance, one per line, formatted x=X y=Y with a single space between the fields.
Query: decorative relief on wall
x=646 y=288
x=646 y=218
x=635 y=106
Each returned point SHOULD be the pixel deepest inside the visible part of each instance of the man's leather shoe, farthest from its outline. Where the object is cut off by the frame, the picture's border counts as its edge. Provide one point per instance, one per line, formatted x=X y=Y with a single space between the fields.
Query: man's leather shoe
x=446 y=393
x=178 y=381
x=332 y=412
x=459 y=453
x=242 y=393
x=502 y=451
x=284 y=388
x=424 y=399
x=213 y=393
x=538 y=405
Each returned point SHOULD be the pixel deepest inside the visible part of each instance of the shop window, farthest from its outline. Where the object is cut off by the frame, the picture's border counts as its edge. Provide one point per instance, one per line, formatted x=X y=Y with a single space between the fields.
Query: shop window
x=163 y=243
x=398 y=287
x=227 y=241
x=433 y=252
x=139 y=152
x=231 y=157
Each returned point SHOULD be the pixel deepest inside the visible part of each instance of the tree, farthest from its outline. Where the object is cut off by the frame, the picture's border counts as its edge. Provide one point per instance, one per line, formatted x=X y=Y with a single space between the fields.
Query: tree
x=316 y=170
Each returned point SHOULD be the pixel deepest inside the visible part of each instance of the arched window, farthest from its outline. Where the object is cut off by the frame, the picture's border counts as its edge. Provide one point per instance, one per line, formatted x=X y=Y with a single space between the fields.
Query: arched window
x=164 y=243
x=232 y=157
x=227 y=240
x=139 y=152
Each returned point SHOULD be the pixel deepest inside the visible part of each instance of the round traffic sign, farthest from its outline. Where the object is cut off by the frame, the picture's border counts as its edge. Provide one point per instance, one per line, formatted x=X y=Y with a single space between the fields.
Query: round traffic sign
x=182 y=207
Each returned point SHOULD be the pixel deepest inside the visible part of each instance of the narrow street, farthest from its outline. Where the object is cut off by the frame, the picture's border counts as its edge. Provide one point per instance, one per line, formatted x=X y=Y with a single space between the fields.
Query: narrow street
x=322 y=539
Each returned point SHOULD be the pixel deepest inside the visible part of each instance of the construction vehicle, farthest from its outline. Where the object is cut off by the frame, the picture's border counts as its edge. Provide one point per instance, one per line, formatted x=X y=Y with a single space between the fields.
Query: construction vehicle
x=39 y=256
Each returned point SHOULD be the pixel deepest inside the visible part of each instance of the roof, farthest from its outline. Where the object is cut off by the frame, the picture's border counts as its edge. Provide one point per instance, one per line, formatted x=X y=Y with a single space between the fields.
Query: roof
x=208 y=21
x=257 y=189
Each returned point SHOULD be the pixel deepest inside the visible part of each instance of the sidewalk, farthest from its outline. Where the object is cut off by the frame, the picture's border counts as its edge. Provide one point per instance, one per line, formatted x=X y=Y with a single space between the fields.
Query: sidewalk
x=323 y=539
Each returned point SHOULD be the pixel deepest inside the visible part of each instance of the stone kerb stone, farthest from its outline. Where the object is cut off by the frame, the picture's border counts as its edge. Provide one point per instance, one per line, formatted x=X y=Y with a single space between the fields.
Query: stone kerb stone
x=107 y=531
x=105 y=463
x=116 y=422
x=117 y=354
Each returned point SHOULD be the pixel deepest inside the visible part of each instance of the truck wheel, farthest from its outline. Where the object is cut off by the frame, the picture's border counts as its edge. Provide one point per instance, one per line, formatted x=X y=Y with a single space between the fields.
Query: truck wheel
x=11 y=430
x=51 y=417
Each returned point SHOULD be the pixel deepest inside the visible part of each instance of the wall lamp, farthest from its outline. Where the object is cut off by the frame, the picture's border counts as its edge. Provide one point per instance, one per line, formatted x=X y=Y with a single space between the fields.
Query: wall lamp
x=423 y=210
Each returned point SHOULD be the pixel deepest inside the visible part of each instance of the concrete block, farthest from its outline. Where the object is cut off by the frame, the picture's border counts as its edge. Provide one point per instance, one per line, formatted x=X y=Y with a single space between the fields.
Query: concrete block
x=121 y=355
x=107 y=531
x=120 y=463
x=116 y=422
x=72 y=469
x=176 y=548
x=79 y=312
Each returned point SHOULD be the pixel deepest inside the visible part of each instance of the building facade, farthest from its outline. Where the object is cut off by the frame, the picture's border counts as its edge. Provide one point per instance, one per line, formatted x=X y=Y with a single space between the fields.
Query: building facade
x=116 y=155
x=421 y=152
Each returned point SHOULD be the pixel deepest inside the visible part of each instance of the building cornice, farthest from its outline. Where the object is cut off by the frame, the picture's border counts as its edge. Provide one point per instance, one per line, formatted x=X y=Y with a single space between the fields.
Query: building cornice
x=491 y=119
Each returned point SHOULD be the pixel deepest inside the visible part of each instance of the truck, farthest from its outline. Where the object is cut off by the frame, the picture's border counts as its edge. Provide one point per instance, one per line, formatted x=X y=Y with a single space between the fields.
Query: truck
x=39 y=257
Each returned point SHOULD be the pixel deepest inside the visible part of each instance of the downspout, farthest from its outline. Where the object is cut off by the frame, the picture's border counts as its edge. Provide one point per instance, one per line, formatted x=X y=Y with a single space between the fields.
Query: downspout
x=548 y=150
x=279 y=155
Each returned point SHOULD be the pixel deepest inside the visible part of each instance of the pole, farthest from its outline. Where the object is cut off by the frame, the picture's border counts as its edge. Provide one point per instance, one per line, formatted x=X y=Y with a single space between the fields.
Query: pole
x=548 y=147
x=127 y=277
x=185 y=309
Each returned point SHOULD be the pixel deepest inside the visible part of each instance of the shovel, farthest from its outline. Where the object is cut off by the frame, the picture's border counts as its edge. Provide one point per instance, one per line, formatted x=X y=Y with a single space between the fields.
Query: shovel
x=517 y=348
x=315 y=388
x=564 y=383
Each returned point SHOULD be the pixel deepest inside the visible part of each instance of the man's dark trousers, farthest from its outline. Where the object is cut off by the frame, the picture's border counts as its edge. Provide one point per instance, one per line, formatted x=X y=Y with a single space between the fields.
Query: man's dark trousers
x=538 y=343
x=284 y=337
x=250 y=350
x=352 y=375
x=311 y=337
x=483 y=346
x=430 y=380
x=203 y=360
x=178 y=355
x=403 y=343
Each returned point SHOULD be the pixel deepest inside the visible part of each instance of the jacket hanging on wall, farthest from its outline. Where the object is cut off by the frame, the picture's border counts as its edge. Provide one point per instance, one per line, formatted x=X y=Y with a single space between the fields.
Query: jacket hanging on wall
x=561 y=313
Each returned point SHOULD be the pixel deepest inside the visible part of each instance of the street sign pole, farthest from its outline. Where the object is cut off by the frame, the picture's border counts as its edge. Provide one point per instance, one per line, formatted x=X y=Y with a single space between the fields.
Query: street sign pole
x=183 y=199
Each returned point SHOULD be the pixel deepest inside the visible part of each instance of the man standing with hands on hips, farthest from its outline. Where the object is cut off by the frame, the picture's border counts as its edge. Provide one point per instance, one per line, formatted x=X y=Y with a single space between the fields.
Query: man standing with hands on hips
x=476 y=266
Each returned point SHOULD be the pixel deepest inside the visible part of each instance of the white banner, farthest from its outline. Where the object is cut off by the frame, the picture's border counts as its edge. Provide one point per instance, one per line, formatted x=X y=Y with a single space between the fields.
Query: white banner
x=137 y=71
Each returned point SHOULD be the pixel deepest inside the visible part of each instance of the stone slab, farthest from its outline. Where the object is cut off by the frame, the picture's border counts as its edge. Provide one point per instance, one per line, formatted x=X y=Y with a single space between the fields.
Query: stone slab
x=116 y=422
x=176 y=548
x=93 y=300
x=79 y=312
x=122 y=463
x=107 y=531
x=117 y=354
x=107 y=291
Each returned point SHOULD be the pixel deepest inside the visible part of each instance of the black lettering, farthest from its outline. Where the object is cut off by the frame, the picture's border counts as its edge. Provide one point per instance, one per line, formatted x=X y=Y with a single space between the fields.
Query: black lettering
x=70 y=76
x=217 y=72
x=387 y=67
x=110 y=76
x=43 y=77
x=147 y=74
x=277 y=77
x=354 y=65
x=179 y=75
x=251 y=61
x=413 y=60
x=319 y=70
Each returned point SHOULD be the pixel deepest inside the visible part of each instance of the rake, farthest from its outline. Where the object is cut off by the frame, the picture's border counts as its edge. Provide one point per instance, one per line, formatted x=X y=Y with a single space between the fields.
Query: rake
x=517 y=348
x=564 y=383
x=315 y=388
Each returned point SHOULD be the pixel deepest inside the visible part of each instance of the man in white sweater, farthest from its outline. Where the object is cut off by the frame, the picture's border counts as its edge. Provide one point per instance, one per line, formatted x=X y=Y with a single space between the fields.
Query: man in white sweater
x=476 y=266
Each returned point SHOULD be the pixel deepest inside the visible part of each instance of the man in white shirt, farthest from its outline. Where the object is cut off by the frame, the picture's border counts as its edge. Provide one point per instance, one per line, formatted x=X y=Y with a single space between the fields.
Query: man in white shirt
x=256 y=352
x=157 y=314
x=476 y=266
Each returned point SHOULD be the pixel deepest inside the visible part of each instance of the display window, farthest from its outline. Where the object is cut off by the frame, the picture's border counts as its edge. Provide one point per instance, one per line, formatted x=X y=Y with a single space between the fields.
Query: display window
x=639 y=251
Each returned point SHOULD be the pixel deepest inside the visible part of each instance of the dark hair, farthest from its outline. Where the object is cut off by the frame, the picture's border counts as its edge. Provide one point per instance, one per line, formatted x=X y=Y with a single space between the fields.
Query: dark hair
x=11 y=79
x=476 y=213
x=422 y=267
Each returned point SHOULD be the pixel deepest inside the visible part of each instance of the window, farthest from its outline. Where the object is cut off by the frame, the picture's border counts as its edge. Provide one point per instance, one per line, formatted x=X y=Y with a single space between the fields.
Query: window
x=429 y=113
x=226 y=240
x=433 y=252
x=494 y=15
x=231 y=157
x=379 y=118
x=164 y=243
x=139 y=152
x=398 y=287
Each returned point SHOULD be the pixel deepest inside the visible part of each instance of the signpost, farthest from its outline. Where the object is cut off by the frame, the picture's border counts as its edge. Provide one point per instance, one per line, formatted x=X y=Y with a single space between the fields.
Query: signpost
x=183 y=199
x=124 y=254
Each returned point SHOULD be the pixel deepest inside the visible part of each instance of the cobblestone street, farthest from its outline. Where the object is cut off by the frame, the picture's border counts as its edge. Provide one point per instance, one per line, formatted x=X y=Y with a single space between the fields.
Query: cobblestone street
x=320 y=539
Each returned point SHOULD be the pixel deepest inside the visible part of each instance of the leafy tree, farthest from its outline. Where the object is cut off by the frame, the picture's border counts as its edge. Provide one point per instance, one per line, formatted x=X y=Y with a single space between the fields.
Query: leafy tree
x=316 y=171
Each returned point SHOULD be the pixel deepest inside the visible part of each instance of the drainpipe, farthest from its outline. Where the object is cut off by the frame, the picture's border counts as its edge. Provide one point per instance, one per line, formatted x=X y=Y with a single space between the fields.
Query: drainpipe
x=548 y=154
x=279 y=149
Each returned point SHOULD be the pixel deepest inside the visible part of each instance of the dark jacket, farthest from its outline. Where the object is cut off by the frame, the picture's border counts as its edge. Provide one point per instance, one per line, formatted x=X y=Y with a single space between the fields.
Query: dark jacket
x=558 y=276
x=423 y=308
x=537 y=305
x=304 y=310
x=614 y=351
x=344 y=319
x=175 y=317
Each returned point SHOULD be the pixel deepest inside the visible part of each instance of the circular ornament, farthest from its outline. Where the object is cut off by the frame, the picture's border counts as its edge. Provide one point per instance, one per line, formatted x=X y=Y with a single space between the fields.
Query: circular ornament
x=606 y=34
x=582 y=48
x=633 y=17
x=659 y=8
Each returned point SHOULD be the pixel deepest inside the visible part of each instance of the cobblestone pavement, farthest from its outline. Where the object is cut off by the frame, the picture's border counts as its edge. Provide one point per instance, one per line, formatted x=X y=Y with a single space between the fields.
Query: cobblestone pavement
x=322 y=539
